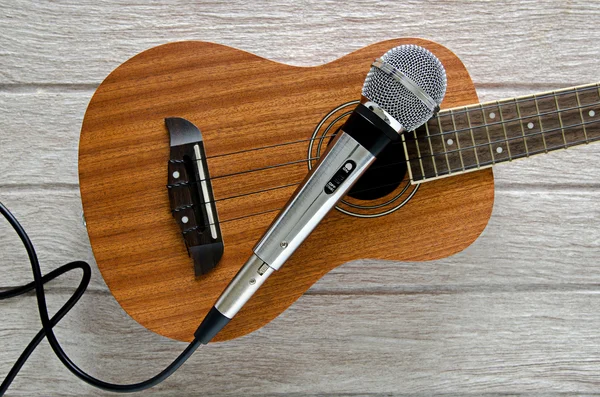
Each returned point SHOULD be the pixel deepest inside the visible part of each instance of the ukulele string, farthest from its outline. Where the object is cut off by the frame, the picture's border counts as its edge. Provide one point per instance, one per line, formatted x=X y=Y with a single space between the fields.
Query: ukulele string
x=465 y=109
x=430 y=156
x=288 y=163
x=553 y=94
x=450 y=171
x=534 y=116
x=419 y=158
x=517 y=138
x=416 y=140
x=454 y=170
x=296 y=184
x=379 y=186
x=276 y=187
x=522 y=155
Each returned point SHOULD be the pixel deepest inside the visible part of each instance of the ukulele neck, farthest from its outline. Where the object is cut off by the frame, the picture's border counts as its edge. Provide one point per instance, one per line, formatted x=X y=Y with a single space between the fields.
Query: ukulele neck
x=469 y=138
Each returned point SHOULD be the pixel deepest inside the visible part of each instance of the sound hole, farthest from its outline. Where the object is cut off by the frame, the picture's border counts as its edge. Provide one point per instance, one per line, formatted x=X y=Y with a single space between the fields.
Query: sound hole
x=384 y=176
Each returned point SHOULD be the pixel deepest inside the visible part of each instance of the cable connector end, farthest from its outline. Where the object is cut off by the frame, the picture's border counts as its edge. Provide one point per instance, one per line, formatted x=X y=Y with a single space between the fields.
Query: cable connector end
x=210 y=326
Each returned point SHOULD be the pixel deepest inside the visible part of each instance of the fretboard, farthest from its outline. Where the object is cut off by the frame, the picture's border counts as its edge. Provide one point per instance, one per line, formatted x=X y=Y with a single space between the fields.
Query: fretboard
x=469 y=138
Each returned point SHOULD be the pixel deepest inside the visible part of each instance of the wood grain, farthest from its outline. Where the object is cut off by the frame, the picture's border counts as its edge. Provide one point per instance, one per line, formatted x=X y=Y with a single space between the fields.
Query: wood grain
x=543 y=230
x=474 y=343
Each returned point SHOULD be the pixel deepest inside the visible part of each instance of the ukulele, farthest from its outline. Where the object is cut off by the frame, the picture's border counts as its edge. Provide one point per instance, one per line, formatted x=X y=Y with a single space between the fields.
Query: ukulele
x=260 y=127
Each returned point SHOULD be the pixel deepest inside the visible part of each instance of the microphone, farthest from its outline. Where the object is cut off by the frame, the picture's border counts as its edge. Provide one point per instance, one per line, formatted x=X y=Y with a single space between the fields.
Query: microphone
x=403 y=90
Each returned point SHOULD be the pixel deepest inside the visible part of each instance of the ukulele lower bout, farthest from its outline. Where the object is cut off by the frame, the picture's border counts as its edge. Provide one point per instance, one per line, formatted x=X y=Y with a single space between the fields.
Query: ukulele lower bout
x=270 y=106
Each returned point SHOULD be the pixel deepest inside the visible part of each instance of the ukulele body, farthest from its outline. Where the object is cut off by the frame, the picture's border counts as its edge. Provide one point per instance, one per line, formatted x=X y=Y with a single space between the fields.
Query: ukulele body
x=254 y=115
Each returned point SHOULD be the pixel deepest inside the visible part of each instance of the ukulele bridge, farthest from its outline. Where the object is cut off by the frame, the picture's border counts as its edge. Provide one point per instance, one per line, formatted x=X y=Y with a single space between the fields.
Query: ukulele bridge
x=191 y=196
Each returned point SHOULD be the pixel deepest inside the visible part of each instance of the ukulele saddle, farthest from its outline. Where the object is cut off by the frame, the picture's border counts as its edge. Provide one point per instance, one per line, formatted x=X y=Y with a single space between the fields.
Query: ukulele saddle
x=191 y=196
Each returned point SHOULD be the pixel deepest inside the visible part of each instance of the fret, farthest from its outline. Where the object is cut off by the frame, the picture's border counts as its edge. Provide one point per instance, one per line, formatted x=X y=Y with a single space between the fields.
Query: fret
x=418 y=150
x=431 y=152
x=520 y=118
x=562 y=128
x=552 y=128
x=419 y=154
x=487 y=134
x=460 y=150
x=496 y=130
x=581 y=117
x=449 y=141
x=464 y=134
x=531 y=126
x=475 y=148
x=420 y=146
x=408 y=146
x=512 y=129
x=590 y=101
x=574 y=128
x=503 y=130
x=537 y=109
x=439 y=149
x=443 y=139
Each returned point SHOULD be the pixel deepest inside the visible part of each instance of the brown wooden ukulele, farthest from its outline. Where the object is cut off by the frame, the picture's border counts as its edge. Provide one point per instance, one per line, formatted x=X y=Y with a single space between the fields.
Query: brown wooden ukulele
x=162 y=208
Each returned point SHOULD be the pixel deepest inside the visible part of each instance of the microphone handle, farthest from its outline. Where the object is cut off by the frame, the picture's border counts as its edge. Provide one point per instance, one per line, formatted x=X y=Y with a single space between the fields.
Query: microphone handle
x=353 y=150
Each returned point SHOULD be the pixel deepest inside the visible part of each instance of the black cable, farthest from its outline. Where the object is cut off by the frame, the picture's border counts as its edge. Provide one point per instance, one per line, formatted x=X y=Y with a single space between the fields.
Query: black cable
x=48 y=324
x=55 y=319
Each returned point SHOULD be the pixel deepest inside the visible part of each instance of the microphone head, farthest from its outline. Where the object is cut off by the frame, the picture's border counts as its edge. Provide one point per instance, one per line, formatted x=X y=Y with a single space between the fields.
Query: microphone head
x=384 y=88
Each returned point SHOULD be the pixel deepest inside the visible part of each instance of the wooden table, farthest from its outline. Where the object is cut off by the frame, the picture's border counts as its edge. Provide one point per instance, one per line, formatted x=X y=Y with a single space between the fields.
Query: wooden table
x=517 y=312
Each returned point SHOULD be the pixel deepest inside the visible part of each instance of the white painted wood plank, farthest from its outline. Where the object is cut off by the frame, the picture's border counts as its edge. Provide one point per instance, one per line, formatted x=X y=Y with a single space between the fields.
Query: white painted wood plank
x=535 y=237
x=53 y=220
x=422 y=343
x=39 y=137
x=39 y=143
x=511 y=41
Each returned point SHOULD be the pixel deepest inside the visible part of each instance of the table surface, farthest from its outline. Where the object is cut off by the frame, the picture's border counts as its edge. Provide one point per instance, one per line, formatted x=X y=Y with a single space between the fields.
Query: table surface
x=516 y=312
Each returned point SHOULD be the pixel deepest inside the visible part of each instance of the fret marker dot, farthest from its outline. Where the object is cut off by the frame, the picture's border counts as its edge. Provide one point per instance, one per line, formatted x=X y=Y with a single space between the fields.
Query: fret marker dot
x=185 y=219
x=530 y=125
x=499 y=149
x=176 y=174
x=592 y=113
x=492 y=115
x=450 y=142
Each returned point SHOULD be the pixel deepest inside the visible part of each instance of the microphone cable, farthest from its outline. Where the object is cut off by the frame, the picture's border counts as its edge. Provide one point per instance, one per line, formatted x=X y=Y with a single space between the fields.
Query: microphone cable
x=48 y=323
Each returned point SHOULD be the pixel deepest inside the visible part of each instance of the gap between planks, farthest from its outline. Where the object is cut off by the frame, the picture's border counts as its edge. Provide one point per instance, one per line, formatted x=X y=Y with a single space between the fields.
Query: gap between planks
x=417 y=289
x=37 y=188
x=35 y=88
x=387 y=394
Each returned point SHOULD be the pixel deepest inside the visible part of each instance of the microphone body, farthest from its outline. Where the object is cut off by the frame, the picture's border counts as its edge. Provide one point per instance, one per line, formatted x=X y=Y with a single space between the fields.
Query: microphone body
x=353 y=150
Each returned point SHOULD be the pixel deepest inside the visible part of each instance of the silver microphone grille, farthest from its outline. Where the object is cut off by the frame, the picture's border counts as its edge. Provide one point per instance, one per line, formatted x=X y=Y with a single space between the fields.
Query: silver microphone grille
x=420 y=66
